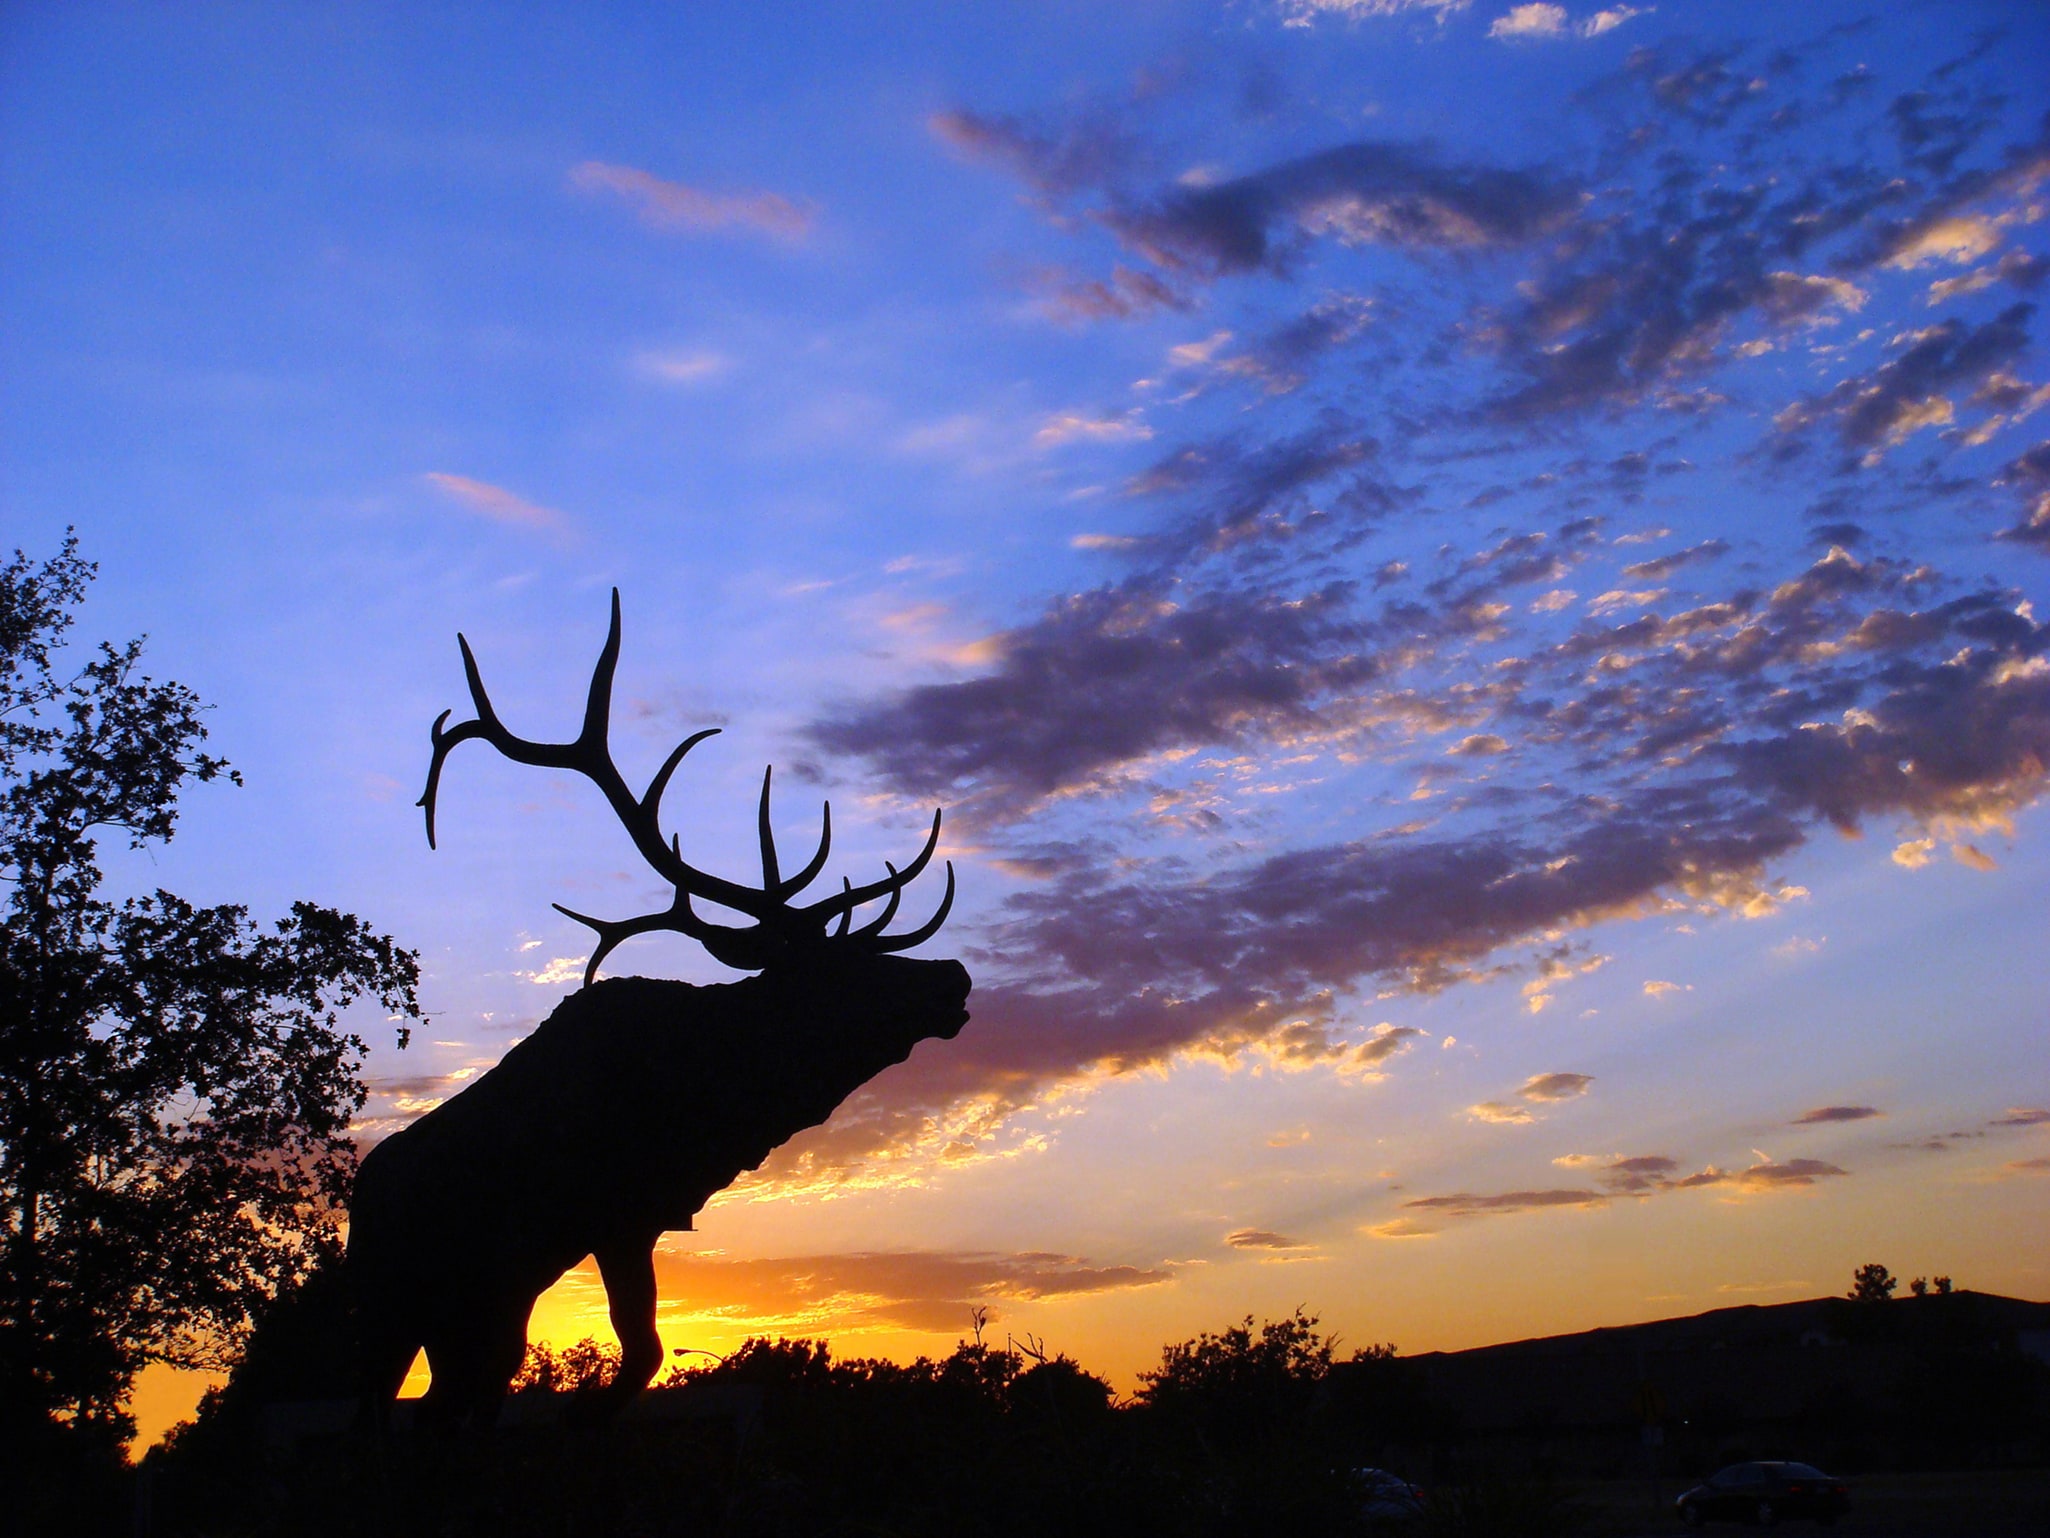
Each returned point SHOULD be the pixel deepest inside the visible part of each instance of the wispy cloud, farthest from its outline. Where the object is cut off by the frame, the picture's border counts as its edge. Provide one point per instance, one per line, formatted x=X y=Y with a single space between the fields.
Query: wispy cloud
x=1556 y=1086
x=1465 y=1204
x=667 y=205
x=1073 y=426
x=496 y=503
x=1768 y=1175
x=2023 y=1116
x=1306 y=12
x=1260 y=1239
x=695 y=366
x=1829 y=1113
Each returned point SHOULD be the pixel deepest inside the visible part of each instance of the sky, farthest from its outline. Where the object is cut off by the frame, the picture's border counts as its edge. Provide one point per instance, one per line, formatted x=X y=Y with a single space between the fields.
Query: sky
x=1466 y=577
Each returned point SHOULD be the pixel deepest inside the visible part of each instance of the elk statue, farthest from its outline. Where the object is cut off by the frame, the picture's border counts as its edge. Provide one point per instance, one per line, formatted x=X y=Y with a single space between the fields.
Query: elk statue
x=634 y=1102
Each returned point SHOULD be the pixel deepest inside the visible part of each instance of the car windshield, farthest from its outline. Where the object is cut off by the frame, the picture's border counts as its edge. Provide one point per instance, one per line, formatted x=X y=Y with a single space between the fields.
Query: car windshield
x=1801 y=1471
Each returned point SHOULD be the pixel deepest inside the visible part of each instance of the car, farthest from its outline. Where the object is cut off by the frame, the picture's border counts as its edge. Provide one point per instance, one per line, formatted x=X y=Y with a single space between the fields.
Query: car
x=1764 y=1494
x=1386 y=1497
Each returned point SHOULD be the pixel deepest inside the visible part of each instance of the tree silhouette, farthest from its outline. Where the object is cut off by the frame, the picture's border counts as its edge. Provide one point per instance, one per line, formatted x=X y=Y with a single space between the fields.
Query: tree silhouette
x=175 y=1081
x=1872 y=1283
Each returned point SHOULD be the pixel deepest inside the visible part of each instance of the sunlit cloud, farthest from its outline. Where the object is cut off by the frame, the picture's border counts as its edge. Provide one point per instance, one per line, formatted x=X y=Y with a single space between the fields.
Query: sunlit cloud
x=1544 y=22
x=1073 y=426
x=1556 y=1086
x=557 y=971
x=1768 y=1175
x=1501 y=1112
x=1260 y=1239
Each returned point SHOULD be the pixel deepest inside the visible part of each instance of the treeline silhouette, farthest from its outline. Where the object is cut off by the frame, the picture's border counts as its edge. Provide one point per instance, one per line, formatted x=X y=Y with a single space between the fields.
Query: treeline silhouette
x=1253 y=1429
x=1240 y=1431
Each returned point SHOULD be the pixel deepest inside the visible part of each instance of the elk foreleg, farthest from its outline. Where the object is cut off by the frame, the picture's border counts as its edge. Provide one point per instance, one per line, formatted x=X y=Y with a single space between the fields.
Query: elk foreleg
x=628 y=1270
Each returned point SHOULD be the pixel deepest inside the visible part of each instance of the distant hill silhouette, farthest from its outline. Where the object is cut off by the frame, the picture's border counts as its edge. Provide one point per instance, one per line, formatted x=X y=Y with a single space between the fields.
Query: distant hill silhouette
x=1917 y=1381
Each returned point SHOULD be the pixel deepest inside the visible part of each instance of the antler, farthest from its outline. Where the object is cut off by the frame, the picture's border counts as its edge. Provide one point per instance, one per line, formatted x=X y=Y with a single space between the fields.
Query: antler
x=779 y=931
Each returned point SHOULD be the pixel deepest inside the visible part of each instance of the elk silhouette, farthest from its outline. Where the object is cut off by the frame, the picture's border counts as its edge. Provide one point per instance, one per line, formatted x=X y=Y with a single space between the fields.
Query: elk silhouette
x=634 y=1102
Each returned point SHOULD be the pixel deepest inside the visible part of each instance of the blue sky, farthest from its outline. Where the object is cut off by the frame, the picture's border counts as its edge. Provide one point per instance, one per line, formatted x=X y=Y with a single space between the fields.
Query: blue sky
x=1467 y=575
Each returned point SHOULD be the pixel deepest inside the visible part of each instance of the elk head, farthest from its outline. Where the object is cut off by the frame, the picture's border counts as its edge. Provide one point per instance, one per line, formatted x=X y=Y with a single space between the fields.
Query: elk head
x=782 y=934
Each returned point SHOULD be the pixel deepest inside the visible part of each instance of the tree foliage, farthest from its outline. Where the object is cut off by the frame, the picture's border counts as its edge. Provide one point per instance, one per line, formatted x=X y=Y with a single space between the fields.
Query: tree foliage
x=1873 y=1283
x=176 y=1081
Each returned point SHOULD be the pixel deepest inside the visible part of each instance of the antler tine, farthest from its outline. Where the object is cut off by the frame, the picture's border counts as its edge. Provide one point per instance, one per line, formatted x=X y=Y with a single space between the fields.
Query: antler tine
x=611 y=932
x=589 y=755
x=846 y=914
x=598 y=707
x=854 y=897
x=771 y=877
x=442 y=741
x=651 y=798
x=877 y=925
x=925 y=931
x=816 y=863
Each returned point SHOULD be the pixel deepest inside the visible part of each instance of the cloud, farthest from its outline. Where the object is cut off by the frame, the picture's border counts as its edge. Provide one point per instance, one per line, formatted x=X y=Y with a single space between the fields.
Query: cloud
x=1793 y=1174
x=1500 y=1111
x=1259 y=1239
x=1268 y=630
x=1913 y=389
x=1644 y=1172
x=1282 y=359
x=1530 y=21
x=1167 y=958
x=1385 y=1042
x=1465 y=1204
x=1072 y=426
x=495 y=502
x=1659 y=568
x=694 y=367
x=1658 y=989
x=1084 y=152
x=844 y=1294
x=2038 y=1166
x=2022 y=1116
x=1065 y=296
x=1640 y=1176
x=1831 y=1113
x=1478 y=745
x=1400 y=1228
x=1305 y=12
x=558 y=970
x=2029 y=474
x=666 y=205
x=1556 y=1086
x=1368 y=193
x=1543 y=22
x=1610 y=18
x=1103 y=678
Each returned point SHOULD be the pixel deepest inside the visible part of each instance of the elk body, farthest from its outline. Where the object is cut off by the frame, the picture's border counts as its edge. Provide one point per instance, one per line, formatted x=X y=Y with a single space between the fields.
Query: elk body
x=633 y=1104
